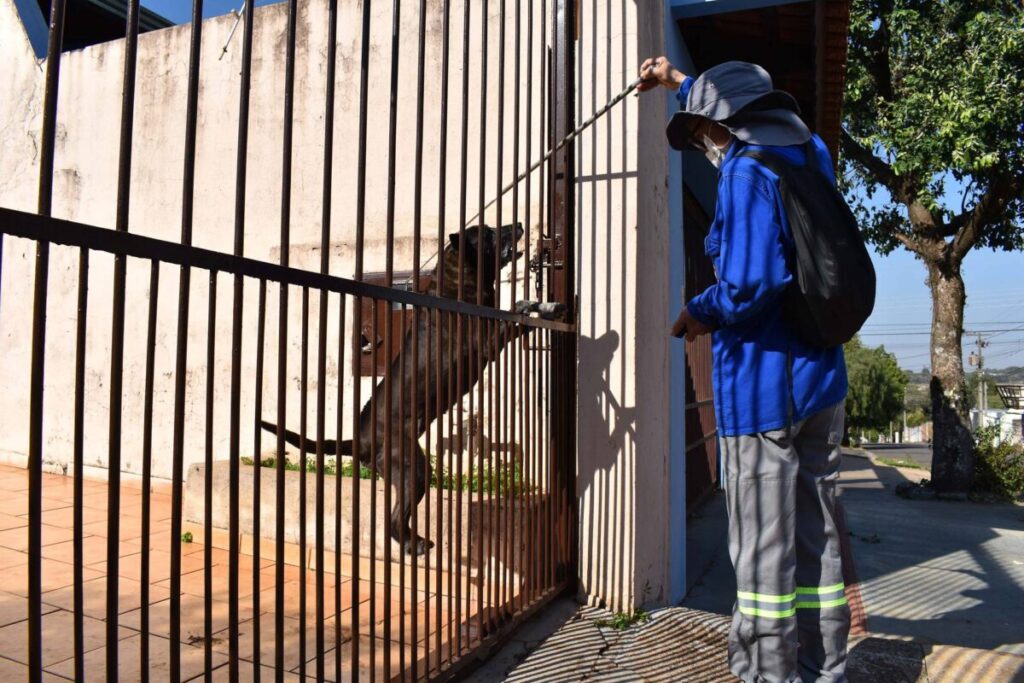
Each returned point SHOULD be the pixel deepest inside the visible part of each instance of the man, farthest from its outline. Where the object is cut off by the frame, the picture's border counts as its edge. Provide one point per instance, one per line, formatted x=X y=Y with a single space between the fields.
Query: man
x=778 y=401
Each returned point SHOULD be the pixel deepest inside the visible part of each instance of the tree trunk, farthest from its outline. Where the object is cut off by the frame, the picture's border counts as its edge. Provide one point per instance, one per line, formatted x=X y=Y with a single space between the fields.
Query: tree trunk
x=952 y=445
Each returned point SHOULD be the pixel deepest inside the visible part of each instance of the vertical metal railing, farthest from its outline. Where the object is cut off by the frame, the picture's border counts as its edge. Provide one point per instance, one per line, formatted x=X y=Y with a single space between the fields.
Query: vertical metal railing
x=117 y=338
x=181 y=344
x=464 y=424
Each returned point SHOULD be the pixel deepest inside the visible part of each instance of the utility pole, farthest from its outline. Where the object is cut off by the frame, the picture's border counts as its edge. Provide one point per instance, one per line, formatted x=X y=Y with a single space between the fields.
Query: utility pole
x=978 y=359
x=903 y=436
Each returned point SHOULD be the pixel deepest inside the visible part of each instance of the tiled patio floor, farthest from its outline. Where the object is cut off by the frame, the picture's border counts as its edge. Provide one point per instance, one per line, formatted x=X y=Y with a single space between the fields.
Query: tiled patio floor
x=58 y=577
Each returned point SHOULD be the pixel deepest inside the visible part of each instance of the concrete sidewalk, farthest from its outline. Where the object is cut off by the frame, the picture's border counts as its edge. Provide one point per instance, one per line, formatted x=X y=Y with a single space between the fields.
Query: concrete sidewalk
x=942 y=584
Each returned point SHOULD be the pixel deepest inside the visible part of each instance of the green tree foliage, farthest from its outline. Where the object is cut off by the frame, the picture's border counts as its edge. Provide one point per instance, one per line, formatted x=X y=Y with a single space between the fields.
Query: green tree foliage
x=876 y=390
x=933 y=162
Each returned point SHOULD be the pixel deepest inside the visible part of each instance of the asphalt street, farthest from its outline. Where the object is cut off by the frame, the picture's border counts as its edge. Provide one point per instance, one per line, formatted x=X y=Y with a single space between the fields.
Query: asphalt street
x=921 y=453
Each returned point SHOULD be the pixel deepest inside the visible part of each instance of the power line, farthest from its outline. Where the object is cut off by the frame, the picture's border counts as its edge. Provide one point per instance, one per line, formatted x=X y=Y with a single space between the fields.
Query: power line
x=903 y=334
x=928 y=324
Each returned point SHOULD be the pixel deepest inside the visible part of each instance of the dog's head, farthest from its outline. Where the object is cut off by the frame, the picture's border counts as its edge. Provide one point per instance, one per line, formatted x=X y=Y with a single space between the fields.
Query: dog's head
x=491 y=243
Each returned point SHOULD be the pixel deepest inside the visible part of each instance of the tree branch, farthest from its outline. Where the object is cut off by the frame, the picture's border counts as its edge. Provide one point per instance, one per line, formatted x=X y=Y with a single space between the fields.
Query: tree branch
x=902 y=188
x=882 y=171
x=880 y=67
x=971 y=224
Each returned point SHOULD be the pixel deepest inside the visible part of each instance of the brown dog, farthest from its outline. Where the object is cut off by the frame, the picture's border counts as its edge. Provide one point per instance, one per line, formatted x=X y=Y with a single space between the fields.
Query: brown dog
x=432 y=400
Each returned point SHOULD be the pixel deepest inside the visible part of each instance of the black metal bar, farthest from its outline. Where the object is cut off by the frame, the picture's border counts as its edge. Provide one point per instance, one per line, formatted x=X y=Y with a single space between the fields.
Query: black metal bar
x=279 y=464
x=117 y=338
x=235 y=415
x=211 y=347
x=481 y=473
x=79 y=455
x=442 y=337
x=321 y=409
x=501 y=149
x=181 y=356
x=442 y=186
x=481 y=194
x=321 y=397
x=529 y=139
x=282 y=345
x=338 y=654
x=494 y=536
x=465 y=148
x=386 y=459
x=508 y=467
x=35 y=439
x=417 y=226
x=516 y=104
x=456 y=566
x=57 y=231
x=561 y=393
x=364 y=89
x=416 y=402
x=548 y=469
x=303 y=458
x=257 y=478
x=375 y=473
x=389 y=269
x=403 y=533
x=147 y=468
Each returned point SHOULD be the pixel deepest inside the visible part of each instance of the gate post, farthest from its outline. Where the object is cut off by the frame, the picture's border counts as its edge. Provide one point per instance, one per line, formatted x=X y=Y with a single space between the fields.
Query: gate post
x=562 y=284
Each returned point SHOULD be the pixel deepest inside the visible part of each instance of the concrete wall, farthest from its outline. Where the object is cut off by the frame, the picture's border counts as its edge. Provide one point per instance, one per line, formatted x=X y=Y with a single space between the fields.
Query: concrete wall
x=85 y=191
x=629 y=257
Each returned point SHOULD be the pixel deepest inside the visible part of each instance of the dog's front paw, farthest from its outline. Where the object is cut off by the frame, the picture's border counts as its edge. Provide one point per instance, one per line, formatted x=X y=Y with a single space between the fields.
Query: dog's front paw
x=548 y=310
x=420 y=546
x=525 y=307
x=551 y=310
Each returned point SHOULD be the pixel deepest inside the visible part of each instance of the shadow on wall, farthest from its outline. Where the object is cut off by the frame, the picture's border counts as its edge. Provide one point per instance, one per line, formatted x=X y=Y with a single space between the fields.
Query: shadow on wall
x=606 y=486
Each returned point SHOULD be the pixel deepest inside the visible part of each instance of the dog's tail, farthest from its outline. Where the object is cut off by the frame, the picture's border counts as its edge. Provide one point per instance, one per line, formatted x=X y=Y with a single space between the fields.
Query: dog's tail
x=330 y=446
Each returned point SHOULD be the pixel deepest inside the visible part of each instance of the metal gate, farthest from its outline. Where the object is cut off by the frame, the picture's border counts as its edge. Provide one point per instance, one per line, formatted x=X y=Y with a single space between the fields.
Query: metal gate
x=400 y=519
x=702 y=475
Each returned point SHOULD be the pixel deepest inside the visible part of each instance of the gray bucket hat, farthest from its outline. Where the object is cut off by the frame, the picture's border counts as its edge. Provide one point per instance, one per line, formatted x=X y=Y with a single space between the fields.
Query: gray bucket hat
x=740 y=96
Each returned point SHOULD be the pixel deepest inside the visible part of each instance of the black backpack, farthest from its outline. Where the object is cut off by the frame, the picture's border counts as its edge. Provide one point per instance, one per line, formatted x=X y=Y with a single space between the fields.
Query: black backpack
x=833 y=291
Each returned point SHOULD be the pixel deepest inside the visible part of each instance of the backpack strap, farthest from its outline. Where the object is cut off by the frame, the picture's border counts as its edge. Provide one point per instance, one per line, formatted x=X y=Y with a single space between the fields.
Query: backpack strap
x=809 y=153
x=779 y=167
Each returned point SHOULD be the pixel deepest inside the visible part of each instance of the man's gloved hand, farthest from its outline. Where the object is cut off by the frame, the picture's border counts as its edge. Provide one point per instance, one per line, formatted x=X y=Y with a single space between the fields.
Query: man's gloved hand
x=659 y=71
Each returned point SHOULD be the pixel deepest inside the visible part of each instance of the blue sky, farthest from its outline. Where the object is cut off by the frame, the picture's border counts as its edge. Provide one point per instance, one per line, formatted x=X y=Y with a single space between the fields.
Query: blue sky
x=902 y=317
x=180 y=11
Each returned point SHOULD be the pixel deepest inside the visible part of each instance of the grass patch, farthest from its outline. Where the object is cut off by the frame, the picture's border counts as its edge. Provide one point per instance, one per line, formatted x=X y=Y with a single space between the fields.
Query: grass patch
x=898 y=462
x=499 y=481
x=621 y=621
x=330 y=466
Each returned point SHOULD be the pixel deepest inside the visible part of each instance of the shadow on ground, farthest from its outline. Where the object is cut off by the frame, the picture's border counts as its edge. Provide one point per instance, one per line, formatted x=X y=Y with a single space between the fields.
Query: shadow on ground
x=936 y=571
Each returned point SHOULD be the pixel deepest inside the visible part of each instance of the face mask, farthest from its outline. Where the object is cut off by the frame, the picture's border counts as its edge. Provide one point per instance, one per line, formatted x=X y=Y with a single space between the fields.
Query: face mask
x=713 y=152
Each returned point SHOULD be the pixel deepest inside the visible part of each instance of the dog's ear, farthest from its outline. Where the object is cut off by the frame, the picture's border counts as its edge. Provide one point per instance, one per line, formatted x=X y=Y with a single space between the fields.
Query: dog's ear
x=454 y=241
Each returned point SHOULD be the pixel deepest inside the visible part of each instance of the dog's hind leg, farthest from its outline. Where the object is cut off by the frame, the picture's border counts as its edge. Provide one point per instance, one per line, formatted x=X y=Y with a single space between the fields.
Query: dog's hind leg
x=414 y=480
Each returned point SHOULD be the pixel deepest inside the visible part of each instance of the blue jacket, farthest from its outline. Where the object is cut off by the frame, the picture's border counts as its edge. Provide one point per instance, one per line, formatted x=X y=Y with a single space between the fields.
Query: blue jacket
x=764 y=377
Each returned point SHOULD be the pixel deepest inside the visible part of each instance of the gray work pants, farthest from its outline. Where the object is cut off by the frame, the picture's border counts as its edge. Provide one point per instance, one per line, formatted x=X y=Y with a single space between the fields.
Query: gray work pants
x=791 y=620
